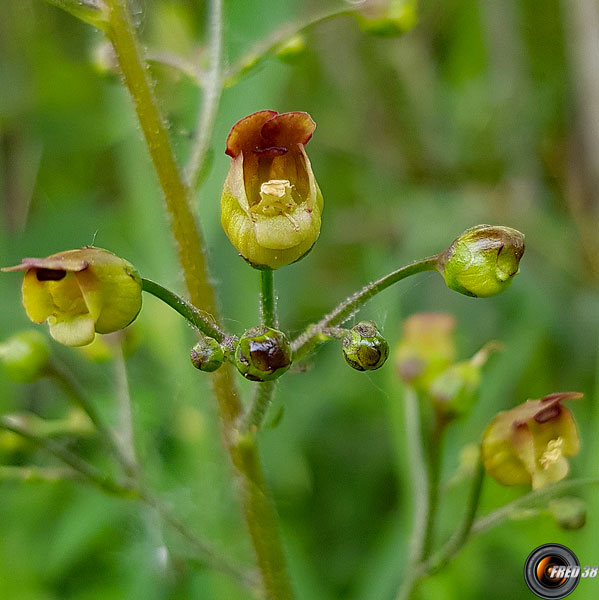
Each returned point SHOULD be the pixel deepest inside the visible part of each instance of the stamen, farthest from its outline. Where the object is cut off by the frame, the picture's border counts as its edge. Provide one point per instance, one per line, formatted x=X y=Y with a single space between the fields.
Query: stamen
x=553 y=452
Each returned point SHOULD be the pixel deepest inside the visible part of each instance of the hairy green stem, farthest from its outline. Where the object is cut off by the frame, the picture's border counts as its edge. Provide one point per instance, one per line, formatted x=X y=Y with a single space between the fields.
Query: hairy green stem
x=196 y=317
x=261 y=401
x=268 y=301
x=213 y=88
x=259 y=511
x=304 y=343
x=177 y=195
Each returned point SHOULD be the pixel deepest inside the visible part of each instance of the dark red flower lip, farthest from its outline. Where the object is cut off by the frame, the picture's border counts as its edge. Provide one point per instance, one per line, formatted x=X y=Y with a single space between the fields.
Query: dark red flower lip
x=267 y=132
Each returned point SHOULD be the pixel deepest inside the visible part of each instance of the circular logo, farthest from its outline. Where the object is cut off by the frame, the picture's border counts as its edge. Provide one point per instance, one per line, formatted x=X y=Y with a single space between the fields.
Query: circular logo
x=552 y=571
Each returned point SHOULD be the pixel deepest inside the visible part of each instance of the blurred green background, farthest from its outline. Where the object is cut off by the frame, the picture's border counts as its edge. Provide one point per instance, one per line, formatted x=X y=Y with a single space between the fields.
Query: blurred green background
x=487 y=112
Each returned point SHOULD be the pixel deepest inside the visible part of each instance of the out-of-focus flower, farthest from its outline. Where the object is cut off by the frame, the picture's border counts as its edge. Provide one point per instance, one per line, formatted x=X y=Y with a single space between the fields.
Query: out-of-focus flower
x=483 y=260
x=271 y=205
x=80 y=292
x=531 y=443
x=426 y=348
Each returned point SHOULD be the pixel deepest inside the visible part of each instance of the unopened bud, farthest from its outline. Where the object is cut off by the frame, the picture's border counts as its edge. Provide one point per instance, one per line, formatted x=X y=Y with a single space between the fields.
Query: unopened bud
x=207 y=355
x=364 y=348
x=263 y=354
x=387 y=18
x=482 y=261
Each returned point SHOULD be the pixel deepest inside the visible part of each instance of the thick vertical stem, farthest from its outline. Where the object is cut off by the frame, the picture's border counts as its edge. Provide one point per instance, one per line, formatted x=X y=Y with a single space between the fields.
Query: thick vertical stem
x=258 y=508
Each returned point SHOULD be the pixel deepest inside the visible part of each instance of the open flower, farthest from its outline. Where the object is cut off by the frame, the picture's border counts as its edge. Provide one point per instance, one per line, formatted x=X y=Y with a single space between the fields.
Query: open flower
x=271 y=205
x=530 y=443
x=80 y=292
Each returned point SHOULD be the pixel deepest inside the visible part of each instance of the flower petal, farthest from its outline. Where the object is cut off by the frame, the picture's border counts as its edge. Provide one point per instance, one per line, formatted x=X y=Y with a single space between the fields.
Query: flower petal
x=288 y=129
x=246 y=134
x=72 y=331
x=37 y=298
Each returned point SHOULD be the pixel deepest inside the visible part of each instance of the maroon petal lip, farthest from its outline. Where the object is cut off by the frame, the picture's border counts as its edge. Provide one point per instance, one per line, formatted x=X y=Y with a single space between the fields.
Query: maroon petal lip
x=267 y=132
x=52 y=264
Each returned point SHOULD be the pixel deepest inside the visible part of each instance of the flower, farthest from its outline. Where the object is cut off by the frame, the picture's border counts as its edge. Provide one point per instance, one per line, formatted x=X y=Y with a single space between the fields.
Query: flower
x=530 y=443
x=271 y=205
x=426 y=348
x=80 y=292
x=483 y=260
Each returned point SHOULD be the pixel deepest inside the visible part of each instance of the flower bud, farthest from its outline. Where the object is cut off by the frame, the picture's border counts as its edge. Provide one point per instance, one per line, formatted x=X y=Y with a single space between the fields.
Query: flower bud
x=25 y=356
x=263 y=354
x=271 y=205
x=207 y=355
x=454 y=392
x=568 y=512
x=364 y=348
x=426 y=348
x=80 y=292
x=482 y=261
x=456 y=389
x=530 y=443
x=387 y=18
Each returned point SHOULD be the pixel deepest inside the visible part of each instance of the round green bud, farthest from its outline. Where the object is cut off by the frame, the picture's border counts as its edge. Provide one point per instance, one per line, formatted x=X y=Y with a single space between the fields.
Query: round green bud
x=482 y=261
x=25 y=356
x=207 y=355
x=263 y=354
x=364 y=348
x=568 y=512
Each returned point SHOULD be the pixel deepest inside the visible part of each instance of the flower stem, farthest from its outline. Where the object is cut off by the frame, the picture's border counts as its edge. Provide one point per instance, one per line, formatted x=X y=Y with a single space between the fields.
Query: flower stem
x=259 y=511
x=260 y=403
x=72 y=388
x=213 y=88
x=196 y=317
x=268 y=301
x=304 y=343
x=452 y=547
x=420 y=489
x=456 y=542
x=17 y=425
x=177 y=195
x=434 y=469
x=264 y=48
